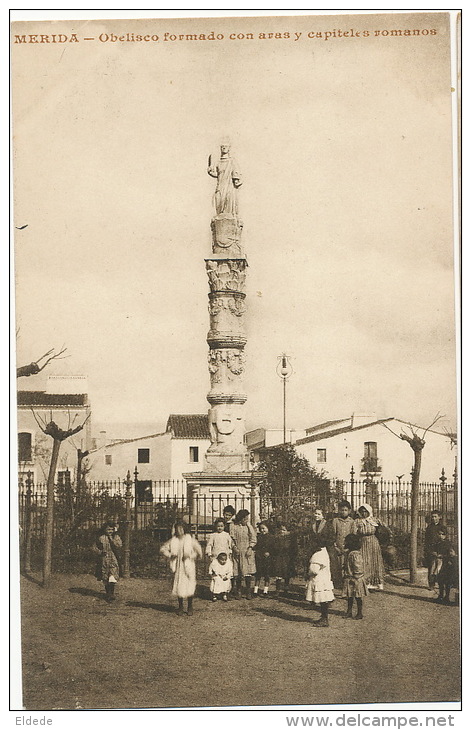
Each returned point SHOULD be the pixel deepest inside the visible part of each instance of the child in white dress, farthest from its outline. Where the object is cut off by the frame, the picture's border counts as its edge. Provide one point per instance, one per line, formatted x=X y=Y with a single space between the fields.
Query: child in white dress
x=183 y=551
x=220 y=571
x=219 y=541
x=320 y=588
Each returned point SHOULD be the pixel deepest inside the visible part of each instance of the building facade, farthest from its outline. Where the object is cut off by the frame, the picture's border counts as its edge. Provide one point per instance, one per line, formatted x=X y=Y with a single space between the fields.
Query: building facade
x=65 y=401
x=159 y=457
x=368 y=445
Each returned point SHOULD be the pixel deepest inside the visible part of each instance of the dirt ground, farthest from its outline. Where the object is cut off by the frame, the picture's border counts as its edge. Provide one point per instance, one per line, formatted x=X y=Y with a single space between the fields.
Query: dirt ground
x=80 y=652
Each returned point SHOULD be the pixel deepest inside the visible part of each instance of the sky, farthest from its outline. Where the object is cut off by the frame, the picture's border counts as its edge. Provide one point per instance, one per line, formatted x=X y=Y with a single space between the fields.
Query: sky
x=345 y=150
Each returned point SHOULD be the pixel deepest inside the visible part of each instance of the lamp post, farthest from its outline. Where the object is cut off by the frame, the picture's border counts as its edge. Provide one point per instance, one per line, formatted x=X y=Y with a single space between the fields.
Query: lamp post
x=284 y=371
x=127 y=529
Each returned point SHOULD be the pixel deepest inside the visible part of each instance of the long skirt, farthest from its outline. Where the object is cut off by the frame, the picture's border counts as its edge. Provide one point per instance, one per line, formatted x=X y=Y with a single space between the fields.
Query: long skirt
x=372 y=559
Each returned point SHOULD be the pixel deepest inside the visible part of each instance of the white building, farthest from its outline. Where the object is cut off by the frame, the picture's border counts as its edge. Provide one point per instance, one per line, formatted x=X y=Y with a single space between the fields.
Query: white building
x=370 y=446
x=261 y=438
x=65 y=401
x=365 y=443
x=164 y=456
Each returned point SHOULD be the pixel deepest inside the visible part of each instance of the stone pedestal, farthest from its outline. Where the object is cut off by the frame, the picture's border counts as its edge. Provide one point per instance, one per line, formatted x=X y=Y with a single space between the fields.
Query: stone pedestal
x=210 y=491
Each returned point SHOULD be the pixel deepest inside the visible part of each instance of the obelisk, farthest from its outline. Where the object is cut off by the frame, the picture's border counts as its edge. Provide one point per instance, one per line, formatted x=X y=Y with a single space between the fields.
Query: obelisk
x=226 y=465
x=226 y=337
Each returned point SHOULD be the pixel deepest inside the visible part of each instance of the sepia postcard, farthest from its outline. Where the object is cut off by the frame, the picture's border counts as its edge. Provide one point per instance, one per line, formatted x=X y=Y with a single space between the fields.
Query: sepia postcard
x=236 y=281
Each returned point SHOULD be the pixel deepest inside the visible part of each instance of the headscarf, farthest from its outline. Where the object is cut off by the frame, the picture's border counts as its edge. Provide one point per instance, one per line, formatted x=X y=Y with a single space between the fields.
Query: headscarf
x=372 y=520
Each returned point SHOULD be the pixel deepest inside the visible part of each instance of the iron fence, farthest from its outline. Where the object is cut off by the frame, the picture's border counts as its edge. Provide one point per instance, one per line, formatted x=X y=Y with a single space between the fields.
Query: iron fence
x=149 y=509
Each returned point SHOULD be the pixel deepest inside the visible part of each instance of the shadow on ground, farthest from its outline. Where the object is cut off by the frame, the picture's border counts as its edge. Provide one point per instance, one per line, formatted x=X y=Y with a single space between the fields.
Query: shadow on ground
x=162 y=607
x=88 y=592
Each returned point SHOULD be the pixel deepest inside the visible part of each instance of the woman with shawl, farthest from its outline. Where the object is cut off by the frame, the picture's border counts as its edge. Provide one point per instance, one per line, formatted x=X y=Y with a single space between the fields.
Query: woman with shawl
x=365 y=526
x=183 y=550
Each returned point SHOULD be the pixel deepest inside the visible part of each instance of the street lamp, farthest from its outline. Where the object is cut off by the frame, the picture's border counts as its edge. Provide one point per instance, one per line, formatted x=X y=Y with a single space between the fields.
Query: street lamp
x=284 y=371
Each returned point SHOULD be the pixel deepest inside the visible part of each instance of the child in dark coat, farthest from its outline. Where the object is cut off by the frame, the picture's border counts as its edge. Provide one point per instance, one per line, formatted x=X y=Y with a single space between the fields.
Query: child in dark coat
x=447 y=575
x=284 y=558
x=263 y=558
x=430 y=540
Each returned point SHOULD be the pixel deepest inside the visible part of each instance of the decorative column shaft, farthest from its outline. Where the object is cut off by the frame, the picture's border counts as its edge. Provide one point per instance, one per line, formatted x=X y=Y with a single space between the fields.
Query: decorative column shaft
x=226 y=269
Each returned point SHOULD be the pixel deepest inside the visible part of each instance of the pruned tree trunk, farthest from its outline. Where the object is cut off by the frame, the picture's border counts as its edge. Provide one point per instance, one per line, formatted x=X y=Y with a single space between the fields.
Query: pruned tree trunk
x=58 y=435
x=417 y=444
x=47 y=564
x=414 y=509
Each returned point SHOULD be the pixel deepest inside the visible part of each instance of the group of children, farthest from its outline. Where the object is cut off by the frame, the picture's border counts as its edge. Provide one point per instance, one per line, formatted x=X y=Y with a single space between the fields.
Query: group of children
x=441 y=559
x=238 y=554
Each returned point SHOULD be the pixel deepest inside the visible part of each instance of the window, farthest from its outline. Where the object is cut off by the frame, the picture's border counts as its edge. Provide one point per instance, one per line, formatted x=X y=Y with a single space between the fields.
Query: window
x=371 y=450
x=25 y=452
x=194 y=457
x=143 y=456
x=63 y=478
x=108 y=459
x=321 y=456
x=370 y=457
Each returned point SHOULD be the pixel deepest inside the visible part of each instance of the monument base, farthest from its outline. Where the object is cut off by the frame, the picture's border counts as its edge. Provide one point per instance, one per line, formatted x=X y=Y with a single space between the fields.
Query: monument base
x=226 y=463
x=210 y=492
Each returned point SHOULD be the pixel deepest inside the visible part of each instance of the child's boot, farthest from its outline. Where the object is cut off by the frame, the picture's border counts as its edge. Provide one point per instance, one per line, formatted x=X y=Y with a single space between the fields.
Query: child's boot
x=324 y=619
x=248 y=588
x=190 y=606
x=349 y=613
x=180 y=607
x=109 y=596
x=237 y=589
x=359 y=609
x=277 y=587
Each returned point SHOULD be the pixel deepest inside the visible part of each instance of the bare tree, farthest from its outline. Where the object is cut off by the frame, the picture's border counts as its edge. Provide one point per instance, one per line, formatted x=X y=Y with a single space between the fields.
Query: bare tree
x=417 y=444
x=58 y=435
x=34 y=368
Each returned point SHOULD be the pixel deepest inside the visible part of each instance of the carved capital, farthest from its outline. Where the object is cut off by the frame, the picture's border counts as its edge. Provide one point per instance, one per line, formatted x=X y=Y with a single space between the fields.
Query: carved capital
x=226 y=275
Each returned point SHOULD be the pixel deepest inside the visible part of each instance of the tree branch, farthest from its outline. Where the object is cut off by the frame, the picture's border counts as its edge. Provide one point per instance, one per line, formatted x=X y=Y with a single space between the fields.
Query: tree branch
x=390 y=429
x=34 y=368
x=437 y=418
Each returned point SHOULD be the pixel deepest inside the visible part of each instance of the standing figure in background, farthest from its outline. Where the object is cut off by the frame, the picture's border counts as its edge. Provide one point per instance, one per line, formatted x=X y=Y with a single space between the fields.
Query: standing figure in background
x=354 y=584
x=226 y=170
x=370 y=549
x=183 y=550
x=284 y=558
x=228 y=515
x=263 y=558
x=342 y=525
x=245 y=539
x=431 y=537
x=108 y=546
x=447 y=565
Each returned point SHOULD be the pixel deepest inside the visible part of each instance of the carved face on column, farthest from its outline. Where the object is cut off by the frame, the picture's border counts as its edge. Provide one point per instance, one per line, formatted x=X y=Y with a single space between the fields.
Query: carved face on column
x=226 y=424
